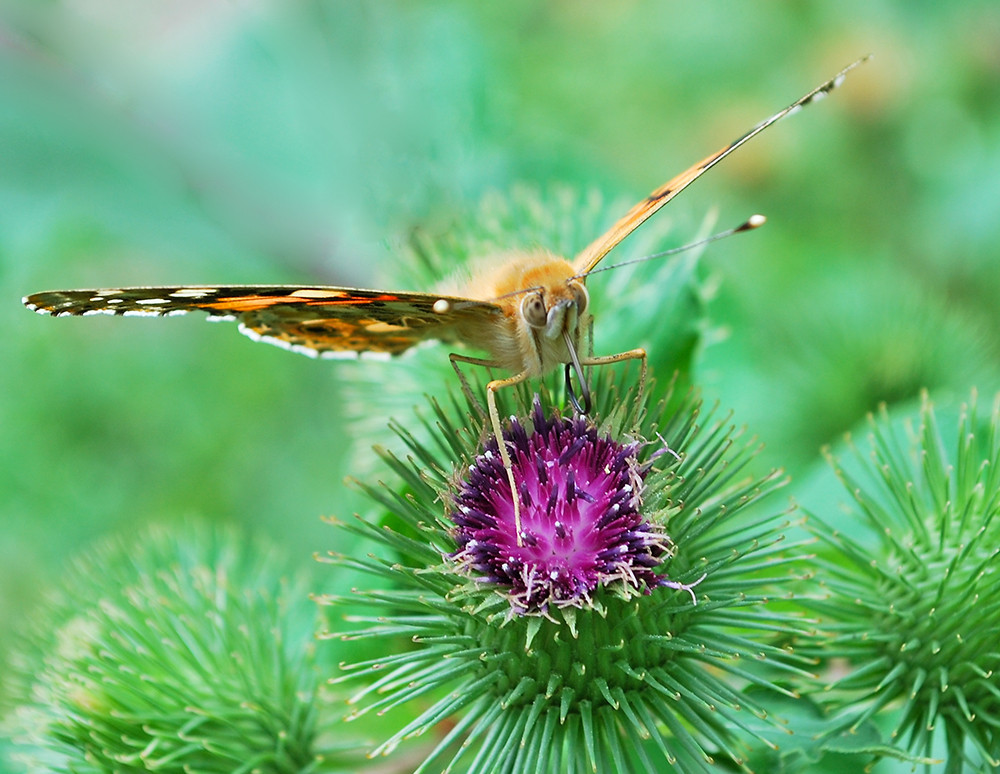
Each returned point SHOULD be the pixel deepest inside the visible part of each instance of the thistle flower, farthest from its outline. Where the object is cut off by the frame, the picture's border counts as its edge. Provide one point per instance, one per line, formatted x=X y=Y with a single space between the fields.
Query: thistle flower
x=916 y=609
x=615 y=637
x=171 y=654
x=580 y=496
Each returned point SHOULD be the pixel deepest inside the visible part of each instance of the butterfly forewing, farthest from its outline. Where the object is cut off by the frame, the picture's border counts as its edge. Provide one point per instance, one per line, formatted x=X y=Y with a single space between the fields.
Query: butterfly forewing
x=600 y=247
x=326 y=321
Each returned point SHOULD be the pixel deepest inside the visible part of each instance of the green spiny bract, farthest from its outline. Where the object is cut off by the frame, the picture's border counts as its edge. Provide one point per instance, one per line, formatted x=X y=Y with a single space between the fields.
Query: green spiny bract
x=626 y=680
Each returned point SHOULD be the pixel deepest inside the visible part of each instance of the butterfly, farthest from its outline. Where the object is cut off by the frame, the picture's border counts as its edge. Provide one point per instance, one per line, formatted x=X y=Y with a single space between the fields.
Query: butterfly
x=530 y=311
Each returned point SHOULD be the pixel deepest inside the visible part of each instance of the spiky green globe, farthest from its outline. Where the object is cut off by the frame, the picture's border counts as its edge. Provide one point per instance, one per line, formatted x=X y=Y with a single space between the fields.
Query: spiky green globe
x=172 y=652
x=916 y=608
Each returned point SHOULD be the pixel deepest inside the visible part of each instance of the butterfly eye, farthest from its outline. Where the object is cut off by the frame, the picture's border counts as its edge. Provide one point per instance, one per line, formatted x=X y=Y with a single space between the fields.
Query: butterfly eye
x=580 y=296
x=533 y=310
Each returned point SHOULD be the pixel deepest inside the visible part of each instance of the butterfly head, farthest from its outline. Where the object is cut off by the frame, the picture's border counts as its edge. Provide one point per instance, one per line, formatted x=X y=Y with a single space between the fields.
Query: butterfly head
x=551 y=312
x=552 y=315
x=558 y=328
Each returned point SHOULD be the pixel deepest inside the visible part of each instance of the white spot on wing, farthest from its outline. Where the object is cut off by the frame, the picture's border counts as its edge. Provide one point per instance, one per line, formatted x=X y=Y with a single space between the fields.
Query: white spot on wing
x=160 y=301
x=192 y=292
x=249 y=333
x=140 y=313
x=307 y=351
x=302 y=349
x=252 y=334
x=223 y=318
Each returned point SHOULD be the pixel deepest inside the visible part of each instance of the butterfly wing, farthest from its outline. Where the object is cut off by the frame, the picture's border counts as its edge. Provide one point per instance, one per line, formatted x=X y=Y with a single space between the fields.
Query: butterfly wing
x=635 y=217
x=316 y=321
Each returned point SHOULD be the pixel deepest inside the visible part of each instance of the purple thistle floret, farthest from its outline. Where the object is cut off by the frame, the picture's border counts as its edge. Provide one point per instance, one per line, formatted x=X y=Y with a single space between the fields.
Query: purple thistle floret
x=581 y=524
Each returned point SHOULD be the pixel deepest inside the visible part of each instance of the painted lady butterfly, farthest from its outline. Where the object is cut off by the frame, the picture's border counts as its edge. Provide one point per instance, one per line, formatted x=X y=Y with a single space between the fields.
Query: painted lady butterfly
x=529 y=311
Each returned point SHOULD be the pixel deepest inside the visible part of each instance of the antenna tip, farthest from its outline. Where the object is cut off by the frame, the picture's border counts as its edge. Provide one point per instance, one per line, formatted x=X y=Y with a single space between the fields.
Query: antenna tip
x=754 y=221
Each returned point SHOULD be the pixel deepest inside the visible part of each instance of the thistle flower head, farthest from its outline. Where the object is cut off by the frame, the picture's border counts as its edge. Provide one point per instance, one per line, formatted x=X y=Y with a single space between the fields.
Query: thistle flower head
x=583 y=647
x=580 y=497
x=916 y=607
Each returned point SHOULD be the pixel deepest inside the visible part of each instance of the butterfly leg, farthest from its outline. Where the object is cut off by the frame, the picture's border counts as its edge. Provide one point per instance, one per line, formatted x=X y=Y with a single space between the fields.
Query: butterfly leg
x=466 y=388
x=632 y=354
x=494 y=414
x=491 y=399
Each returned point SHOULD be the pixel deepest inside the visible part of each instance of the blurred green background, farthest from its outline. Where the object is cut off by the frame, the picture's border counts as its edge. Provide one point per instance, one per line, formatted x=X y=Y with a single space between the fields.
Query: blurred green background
x=292 y=141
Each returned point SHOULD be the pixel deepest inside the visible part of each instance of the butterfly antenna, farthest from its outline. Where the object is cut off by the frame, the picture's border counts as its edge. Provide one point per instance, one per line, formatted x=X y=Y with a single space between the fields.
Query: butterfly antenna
x=754 y=221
